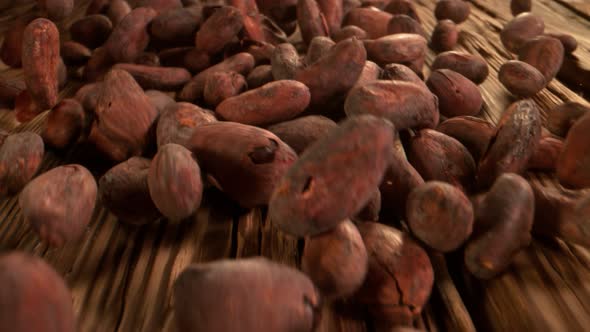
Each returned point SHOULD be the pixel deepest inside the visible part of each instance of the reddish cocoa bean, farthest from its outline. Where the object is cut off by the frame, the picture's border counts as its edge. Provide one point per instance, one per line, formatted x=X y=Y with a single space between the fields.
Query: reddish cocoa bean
x=279 y=10
x=398 y=48
x=440 y=215
x=514 y=142
x=335 y=73
x=98 y=65
x=9 y=89
x=406 y=104
x=159 y=78
x=219 y=30
x=40 y=60
x=11 y=50
x=573 y=165
x=174 y=180
x=561 y=118
x=241 y=63
x=336 y=261
x=175 y=26
x=455 y=10
x=64 y=125
x=117 y=11
x=160 y=100
x=474 y=133
x=161 y=6
x=74 y=53
x=371 y=72
x=521 y=79
x=211 y=288
x=456 y=94
x=445 y=34
x=520 y=6
x=333 y=14
x=91 y=31
x=20 y=158
x=302 y=132
x=271 y=103
x=439 y=157
x=403 y=7
x=285 y=62
x=503 y=221
x=124 y=191
x=174 y=57
x=399 y=72
x=197 y=61
x=25 y=108
x=259 y=76
x=59 y=204
x=405 y=24
x=130 y=37
x=313 y=198
x=544 y=53
x=400 y=275
x=472 y=66
x=262 y=52
x=561 y=214
x=246 y=162
x=88 y=95
x=178 y=121
x=318 y=47
x=311 y=21
x=220 y=86
x=124 y=116
x=371 y=210
x=546 y=155
x=569 y=42
x=254 y=23
x=349 y=31
x=371 y=20
x=31 y=285
x=57 y=10
x=520 y=29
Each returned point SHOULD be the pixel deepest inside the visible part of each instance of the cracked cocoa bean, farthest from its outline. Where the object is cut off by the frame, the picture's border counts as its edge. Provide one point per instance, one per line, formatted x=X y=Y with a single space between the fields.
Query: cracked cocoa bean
x=178 y=121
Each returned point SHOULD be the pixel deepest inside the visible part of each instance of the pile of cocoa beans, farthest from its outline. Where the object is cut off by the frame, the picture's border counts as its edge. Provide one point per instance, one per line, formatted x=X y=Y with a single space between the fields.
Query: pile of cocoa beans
x=316 y=110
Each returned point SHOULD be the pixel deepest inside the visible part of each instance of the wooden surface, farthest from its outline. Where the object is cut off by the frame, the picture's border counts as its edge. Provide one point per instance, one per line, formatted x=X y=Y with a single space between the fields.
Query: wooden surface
x=121 y=275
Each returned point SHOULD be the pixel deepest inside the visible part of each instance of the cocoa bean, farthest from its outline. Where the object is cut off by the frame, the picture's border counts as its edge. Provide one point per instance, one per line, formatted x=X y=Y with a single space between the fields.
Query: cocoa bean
x=20 y=158
x=456 y=94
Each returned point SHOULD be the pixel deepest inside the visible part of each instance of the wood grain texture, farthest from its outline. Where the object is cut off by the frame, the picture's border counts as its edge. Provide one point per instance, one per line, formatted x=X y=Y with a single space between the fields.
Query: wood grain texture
x=121 y=276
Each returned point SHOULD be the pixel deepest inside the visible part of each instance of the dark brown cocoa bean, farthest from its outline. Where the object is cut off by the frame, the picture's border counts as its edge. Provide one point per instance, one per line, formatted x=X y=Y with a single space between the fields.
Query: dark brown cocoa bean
x=175 y=26
x=91 y=31
x=124 y=191
x=520 y=29
x=302 y=132
x=271 y=103
x=398 y=48
x=10 y=88
x=349 y=31
x=403 y=7
x=65 y=123
x=313 y=197
x=219 y=30
x=455 y=10
x=457 y=95
x=546 y=155
x=74 y=53
x=161 y=6
x=57 y=10
x=11 y=50
x=318 y=47
x=514 y=142
x=197 y=61
x=88 y=95
x=25 y=108
x=472 y=66
x=20 y=158
x=503 y=224
x=59 y=204
x=400 y=275
x=40 y=61
x=98 y=65
x=259 y=76
x=445 y=34
x=521 y=79
x=246 y=162
x=336 y=261
x=285 y=62
x=178 y=121
x=405 y=24
x=544 y=53
x=573 y=165
x=124 y=116
x=439 y=157
x=569 y=42
x=440 y=215
x=399 y=72
x=174 y=181
x=405 y=104
x=474 y=133
x=150 y=59
x=159 y=78
x=210 y=288
x=520 y=6
x=117 y=11
x=31 y=285
x=371 y=210
x=174 y=57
